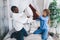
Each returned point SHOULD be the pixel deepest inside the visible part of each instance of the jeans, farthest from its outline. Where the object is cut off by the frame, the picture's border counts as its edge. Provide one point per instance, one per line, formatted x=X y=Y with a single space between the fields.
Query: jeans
x=19 y=35
x=43 y=32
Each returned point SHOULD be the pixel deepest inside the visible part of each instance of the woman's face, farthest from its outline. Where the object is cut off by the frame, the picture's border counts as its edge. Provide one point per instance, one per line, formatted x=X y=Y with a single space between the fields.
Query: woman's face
x=44 y=13
x=16 y=10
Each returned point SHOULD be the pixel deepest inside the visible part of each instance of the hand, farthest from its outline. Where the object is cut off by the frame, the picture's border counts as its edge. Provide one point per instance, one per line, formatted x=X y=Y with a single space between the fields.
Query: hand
x=37 y=13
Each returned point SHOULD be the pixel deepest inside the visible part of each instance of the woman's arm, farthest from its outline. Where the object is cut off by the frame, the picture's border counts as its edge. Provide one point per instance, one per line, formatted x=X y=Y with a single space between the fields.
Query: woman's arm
x=38 y=13
x=49 y=22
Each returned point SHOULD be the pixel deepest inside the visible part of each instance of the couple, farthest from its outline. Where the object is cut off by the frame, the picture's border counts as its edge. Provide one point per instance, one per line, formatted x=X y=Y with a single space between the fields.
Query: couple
x=20 y=19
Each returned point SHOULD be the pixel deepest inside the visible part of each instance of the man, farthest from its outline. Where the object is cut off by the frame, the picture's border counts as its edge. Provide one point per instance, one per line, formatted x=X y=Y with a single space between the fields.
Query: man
x=18 y=24
x=21 y=19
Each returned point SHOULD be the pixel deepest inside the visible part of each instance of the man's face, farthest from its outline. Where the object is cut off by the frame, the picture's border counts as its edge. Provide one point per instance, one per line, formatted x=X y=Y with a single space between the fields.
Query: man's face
x=16 y=10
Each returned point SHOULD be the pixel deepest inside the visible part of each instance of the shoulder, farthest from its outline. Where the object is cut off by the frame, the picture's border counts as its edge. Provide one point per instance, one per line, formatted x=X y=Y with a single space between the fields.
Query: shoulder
x=48 y=17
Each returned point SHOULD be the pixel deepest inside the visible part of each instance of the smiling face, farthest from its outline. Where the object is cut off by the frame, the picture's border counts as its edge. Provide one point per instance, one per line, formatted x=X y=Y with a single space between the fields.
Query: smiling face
x=14 y=9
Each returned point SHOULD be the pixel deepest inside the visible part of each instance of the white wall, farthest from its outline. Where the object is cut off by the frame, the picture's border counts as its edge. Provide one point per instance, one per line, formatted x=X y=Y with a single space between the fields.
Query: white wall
x=5 y=9
x=3 y=17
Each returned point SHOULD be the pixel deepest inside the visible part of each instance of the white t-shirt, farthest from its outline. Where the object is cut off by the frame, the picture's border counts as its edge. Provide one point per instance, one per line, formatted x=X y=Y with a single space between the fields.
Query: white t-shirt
x=18 y=20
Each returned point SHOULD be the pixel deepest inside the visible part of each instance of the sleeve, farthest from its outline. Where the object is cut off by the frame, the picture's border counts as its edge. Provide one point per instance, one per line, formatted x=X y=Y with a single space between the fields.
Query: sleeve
x=28 y=11
x=42 y=18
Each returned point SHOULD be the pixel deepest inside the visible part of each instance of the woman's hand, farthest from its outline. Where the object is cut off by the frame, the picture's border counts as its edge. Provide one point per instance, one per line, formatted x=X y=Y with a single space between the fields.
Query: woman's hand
x=37 y=13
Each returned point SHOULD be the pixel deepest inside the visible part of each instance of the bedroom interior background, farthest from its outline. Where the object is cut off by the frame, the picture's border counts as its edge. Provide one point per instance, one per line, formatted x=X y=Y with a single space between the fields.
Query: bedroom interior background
x=5 y=18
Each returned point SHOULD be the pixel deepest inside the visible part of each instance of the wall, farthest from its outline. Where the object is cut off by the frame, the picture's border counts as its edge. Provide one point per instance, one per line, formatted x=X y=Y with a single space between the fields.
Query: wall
x=3 y=18
x=5 y=9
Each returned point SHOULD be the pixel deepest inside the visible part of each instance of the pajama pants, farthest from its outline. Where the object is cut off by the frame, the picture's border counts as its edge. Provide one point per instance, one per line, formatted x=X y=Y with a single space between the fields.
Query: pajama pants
x=19 y=35
x=43 y=32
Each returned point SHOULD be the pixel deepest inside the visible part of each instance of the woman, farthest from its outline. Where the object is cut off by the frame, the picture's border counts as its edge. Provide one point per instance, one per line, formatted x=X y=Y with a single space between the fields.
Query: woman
x=44 y=24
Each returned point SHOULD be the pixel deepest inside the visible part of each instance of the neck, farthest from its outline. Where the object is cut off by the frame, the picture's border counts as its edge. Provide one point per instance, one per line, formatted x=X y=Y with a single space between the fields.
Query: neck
x=44 y=16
